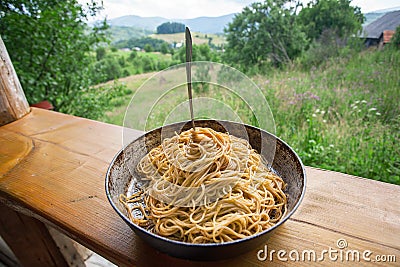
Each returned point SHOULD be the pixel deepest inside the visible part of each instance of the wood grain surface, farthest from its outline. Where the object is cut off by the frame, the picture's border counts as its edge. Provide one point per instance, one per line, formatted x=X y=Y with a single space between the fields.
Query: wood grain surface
x=29 y=239
x=61 y=180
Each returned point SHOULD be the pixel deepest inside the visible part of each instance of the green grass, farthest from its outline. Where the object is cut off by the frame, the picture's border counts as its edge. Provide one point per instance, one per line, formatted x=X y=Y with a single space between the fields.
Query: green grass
x=198 y=38
x=343 y=116
x=132 y=83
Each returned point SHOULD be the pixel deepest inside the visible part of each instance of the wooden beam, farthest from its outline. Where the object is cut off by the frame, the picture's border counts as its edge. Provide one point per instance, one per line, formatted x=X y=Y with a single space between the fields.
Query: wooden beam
x=29 y=239
x=13 y=104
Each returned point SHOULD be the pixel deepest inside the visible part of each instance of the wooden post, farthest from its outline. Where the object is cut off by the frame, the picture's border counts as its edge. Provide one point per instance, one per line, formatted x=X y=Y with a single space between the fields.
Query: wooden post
x=13 y=104
x=29 y=239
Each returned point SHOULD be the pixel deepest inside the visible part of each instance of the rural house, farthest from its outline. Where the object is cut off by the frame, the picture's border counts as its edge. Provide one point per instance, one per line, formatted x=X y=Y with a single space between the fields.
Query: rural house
x=379 y=32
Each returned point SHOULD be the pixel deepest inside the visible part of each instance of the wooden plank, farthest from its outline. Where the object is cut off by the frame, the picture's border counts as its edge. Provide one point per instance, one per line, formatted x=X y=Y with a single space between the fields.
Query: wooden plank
x=29 y=239
x=62 y=181
x=13 y=148
x=13 y=104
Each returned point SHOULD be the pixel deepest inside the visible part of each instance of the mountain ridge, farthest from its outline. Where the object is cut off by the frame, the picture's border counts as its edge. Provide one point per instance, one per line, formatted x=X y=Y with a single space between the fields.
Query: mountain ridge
x=202 y=24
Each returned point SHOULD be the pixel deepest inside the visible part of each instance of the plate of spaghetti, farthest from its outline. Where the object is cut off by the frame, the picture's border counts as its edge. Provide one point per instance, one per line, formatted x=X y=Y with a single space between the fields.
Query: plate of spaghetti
x=208 y=193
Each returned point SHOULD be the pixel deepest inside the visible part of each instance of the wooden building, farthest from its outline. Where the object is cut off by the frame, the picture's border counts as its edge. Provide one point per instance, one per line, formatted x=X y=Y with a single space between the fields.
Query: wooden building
x=379 y=32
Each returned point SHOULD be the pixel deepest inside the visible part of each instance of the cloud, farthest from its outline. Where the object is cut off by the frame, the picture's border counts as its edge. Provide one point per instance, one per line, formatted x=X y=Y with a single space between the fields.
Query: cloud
x=374 y=5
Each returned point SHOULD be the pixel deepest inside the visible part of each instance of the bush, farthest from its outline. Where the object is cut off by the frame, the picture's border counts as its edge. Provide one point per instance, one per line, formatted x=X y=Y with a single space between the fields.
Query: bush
x=93 y=102
x=148 y=48
x=100 y=53
x=395 y=41
x=105 y=70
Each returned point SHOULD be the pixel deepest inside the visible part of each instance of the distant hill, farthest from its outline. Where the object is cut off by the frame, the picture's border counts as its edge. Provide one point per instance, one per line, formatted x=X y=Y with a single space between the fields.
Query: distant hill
x=117 y=33
x=146 y=23
x=201 y=24
x=372 y=16
x=209 y=24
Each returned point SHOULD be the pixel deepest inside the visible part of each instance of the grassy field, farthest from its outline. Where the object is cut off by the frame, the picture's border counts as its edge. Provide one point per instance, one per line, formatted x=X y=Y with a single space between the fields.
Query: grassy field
x=344 y=116
x=198 y=38
x=116 y=116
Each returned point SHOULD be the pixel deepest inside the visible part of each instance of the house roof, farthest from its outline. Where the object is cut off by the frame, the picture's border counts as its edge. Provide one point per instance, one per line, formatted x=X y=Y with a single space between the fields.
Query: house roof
x=389 y=21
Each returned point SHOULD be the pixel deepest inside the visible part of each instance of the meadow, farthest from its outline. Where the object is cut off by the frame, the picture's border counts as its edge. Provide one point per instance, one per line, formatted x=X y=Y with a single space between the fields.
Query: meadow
x=342 y=116
x=198 y=38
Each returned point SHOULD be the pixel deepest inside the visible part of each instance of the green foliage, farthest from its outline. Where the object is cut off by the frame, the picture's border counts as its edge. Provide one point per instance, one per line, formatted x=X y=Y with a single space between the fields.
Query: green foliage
x=118 y=33
x=337 y=16
x=132 y=55
x=264 y=33
x=202 y=74
x=122 y=61
x=339 y=117
x=93 y=101
x=200 y=52
x=320 y=51
x=164 y=48
x=395 y=41
x=170 y=27
x=50 y=46
x=148 y=48
x=143 y=43
x=100 y=53
x=105 y=70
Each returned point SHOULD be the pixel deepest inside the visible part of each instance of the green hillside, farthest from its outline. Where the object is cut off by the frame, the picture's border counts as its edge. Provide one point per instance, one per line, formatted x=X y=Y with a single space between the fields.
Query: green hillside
x=118 y=33
x=198 y=38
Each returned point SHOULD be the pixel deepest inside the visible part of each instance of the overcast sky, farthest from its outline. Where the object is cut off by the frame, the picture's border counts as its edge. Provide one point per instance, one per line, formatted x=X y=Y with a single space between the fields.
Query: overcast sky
x=184 y=9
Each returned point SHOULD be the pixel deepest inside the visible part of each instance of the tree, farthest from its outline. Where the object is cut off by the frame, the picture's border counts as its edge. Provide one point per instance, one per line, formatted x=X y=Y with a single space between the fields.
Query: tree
x=156 y=44
x=100 y=53
x=395 y=41
x=264 y=33
x=335 y=16
x=200 y=52
x=170 y=27
x=148 y=48
x=164 y=48
x=50 y=45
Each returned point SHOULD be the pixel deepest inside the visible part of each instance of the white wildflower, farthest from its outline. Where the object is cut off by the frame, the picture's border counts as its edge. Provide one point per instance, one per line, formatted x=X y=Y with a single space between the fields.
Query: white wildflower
x=378 y=114
x=372 y=109
x=314 y=115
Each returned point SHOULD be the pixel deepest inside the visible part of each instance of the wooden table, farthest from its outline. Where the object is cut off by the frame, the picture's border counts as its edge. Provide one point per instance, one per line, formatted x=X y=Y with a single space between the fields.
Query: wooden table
x=52 y=167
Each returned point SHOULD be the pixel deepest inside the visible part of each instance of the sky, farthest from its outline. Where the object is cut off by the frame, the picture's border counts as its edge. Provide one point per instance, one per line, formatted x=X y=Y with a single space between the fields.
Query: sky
x=184 y=9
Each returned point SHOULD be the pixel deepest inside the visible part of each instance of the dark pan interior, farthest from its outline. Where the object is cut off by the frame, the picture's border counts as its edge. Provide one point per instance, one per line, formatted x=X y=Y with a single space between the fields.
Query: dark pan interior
x=285 y=163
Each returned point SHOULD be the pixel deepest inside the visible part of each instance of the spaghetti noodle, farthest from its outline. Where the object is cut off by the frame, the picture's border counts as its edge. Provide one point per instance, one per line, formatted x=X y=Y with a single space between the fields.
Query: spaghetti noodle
x=205 y=186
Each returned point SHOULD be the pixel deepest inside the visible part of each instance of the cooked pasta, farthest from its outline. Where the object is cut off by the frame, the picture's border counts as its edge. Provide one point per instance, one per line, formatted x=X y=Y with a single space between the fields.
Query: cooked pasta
x=205 y=186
